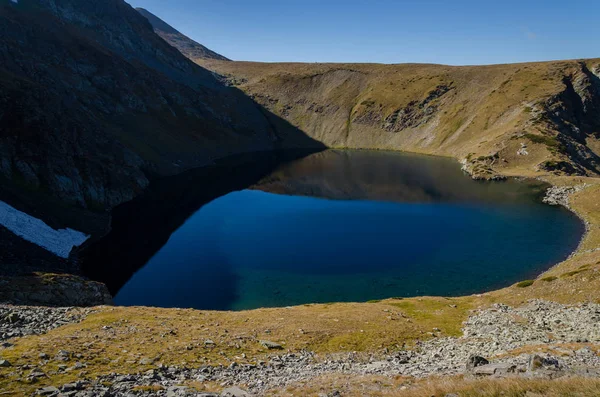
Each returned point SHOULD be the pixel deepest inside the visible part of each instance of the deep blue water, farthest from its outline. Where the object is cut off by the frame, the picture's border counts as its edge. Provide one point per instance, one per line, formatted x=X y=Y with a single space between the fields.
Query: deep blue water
x=355 y=226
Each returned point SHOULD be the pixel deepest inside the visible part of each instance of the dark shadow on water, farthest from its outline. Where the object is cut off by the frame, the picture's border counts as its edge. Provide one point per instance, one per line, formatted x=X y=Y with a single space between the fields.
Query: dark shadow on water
x=141 y=227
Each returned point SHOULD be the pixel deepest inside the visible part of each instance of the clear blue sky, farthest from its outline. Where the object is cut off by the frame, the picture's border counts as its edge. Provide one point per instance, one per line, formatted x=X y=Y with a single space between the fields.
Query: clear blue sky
x=458 y=32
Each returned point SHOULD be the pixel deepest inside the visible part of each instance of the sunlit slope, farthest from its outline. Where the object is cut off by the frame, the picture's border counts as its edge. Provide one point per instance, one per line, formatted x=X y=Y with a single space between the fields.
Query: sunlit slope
x=502 y=119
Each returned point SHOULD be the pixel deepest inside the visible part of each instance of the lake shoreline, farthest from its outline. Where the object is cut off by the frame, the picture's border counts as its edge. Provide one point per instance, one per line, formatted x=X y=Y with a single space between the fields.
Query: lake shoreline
x=379 y=330
x=73 y=276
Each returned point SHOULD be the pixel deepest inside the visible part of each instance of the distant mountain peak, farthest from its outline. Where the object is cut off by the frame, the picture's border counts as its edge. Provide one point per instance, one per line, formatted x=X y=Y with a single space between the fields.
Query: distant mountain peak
x=184 y=44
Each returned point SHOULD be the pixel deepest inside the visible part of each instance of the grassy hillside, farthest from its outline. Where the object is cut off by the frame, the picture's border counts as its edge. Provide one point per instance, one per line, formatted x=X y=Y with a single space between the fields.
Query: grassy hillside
x=482 y=114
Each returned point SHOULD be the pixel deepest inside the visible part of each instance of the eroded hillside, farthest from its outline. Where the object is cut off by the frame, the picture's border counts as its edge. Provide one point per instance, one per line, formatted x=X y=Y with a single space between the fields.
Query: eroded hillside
x=500 y=120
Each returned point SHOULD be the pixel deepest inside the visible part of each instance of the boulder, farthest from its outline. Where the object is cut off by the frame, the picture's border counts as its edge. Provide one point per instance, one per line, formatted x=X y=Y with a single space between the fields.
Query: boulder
x=476 y=361
x=537 y=363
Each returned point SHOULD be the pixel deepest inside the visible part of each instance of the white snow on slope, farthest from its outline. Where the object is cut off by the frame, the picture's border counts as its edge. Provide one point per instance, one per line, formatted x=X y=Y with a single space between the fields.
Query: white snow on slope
x=59 y=242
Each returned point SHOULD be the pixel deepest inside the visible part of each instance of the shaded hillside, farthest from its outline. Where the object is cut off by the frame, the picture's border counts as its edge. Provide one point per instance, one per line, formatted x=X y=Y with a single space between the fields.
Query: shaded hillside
x=187 y=46
x=93 y=104
x=501 y=119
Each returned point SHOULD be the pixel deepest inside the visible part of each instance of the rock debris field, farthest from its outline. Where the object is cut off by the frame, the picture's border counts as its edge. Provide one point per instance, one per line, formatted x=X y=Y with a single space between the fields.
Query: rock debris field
x=497 y=342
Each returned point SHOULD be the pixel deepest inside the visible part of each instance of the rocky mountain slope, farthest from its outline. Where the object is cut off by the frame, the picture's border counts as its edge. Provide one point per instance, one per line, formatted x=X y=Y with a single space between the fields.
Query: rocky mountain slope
x=187 y=46
x=93 y=104
x=500 y=120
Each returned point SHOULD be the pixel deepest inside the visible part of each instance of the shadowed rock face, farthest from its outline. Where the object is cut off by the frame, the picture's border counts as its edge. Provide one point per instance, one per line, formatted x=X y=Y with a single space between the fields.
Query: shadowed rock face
x=93 y=104
x=187 y=46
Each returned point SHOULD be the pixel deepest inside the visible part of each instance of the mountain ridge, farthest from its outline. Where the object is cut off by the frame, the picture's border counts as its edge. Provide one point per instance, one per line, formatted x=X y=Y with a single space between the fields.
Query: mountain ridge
x=188 y=47
x=481 y=115
x=498 y=120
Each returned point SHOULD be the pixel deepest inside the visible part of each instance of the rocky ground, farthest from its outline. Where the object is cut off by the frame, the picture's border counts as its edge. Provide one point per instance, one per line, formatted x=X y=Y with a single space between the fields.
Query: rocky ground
x=538 y=340
x=17 y=321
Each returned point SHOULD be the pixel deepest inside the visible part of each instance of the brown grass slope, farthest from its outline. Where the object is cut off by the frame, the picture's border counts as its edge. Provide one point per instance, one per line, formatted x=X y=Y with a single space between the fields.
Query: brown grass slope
x=479 y=113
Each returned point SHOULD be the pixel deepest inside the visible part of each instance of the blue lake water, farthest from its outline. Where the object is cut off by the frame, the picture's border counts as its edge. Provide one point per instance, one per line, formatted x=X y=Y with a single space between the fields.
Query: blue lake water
x=355 y=226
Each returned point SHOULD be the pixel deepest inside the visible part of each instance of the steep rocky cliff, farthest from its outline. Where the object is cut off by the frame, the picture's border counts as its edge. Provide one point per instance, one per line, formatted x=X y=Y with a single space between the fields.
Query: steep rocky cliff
x=184 y=44
x=499 y=120
x=93 y=104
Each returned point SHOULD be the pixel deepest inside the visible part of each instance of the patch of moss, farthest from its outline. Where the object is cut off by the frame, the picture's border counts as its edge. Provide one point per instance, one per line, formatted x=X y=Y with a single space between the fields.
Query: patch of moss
x=573 y=273
x=368 y=103
x=153 y=388
x=550 y=279
x=525 y=284
x=553 y=144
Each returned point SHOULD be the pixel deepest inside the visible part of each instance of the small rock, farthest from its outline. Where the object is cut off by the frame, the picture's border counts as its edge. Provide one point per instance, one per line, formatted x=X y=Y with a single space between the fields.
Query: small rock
x=48 y=391
x=70 y=387
x=4 y=363
x=270 y=345
x=234 y=392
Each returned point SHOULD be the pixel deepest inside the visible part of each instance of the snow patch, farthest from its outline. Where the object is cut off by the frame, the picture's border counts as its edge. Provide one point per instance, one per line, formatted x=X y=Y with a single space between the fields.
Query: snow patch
x=59 y=242
x=15 y=1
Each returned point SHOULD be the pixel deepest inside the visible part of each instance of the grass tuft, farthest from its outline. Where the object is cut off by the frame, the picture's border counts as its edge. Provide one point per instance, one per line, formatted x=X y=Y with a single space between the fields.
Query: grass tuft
x=550 y=279
x=525 y=284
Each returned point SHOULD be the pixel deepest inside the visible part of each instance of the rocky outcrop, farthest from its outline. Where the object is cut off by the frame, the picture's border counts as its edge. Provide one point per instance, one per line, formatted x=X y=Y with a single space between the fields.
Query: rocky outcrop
x=559 y=195
x=53 y=290
x=416 y=113
x=572 y=117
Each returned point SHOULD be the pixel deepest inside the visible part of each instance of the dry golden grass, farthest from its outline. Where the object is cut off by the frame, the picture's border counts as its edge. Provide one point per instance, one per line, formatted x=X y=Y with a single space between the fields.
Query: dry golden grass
x=379 y=386
x=118 y=339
